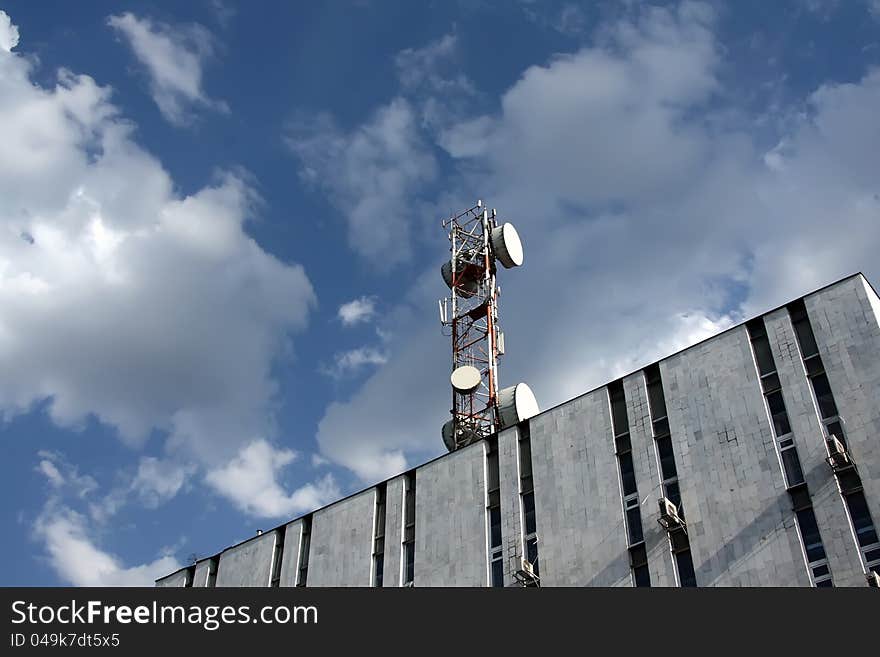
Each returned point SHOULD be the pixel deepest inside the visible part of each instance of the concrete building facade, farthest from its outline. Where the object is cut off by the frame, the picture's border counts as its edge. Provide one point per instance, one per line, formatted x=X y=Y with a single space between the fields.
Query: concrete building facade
x=764 y=439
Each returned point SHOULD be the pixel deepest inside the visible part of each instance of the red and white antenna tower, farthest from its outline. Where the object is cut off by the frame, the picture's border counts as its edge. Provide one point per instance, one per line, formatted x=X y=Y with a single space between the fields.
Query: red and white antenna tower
x=470 y=314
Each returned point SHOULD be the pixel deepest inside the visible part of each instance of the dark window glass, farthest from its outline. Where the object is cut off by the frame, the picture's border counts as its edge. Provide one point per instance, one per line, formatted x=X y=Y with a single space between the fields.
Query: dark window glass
x=497 y=573
x=532 y=553
x=495 y=526
x=525 y=459
x=756 y=328
x=409 y=560
x=642 y=576
x=820 y=571
x=800 y=498
x=792 y=464
x=763 y=355
x=802 y=328
x=619 y=419
x=655 y=392
x=380 y=567
x=872 y=555
x=667 y=458
x=622 y=443
x=770 y=383
x=849 y=481
x=810 y=534
x=529 y=513
x=814 y=365
x=212 y=572
x=861 y=518
x=778 y=413
x=627 y=473
x=825 y=584
x=685 y=563
x=824 y=397
x=661 y=427
x=634 y=525
x=410 y=504
x=638 y=555
x=492 y=470
x=638 y=558
x=679 y=541
x=657 y=400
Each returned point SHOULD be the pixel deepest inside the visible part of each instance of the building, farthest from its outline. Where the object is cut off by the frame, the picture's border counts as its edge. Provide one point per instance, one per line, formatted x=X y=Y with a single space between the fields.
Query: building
x=733 y=431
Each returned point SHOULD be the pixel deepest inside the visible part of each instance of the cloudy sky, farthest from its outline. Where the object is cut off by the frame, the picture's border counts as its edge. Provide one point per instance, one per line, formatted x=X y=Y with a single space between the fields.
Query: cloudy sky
x=220 y=233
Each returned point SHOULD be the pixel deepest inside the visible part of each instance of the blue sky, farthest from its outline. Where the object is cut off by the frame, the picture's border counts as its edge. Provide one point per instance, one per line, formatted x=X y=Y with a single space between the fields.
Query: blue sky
x=220 y=233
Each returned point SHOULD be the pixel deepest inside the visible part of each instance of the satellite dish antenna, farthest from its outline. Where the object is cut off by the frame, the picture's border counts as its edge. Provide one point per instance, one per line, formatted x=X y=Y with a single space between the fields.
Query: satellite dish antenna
x=515 y=404
x=506 y=245
x=468 y=277
x=466 y=379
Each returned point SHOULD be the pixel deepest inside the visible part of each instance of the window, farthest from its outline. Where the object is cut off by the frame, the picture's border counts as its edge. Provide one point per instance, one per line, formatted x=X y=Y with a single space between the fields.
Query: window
x=761 y=347
x=810 y=534
x=685 y=566
x=629 y=491
x=496 y=564
x=213 y=564
x=528 y=502
x=627 y=473
x=409 y=530
x=861 y=518
x=527 y=496
x=667 y=458
x=190 y=575
x=379 y=536
x=791 y=464
x=619 y=419
x=824 y=397
x=656 y=399
x=634 y=522
x=678 y=539
x=305 y=544
x=802 y=328
x=778 y=414
x=638 y=559
x=820 y=573
x=277 y=555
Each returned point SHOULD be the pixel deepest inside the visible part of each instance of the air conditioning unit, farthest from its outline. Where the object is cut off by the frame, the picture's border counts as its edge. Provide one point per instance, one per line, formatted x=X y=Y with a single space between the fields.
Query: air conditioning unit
x=526 y=575
x=873 y=579
x=669 y=517
x=837 y=454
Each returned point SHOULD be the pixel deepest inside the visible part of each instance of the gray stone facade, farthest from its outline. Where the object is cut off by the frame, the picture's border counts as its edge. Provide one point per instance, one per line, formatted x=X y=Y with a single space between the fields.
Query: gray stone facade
x=741 y=527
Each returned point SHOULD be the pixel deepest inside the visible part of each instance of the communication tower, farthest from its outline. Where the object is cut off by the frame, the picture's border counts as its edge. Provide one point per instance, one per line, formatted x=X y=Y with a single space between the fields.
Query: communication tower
x=470 y=316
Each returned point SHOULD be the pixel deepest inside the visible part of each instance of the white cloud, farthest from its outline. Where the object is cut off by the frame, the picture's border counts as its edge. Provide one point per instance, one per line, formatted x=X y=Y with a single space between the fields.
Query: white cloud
x=63 y=476
x=356 y=311
x=174 y=57
x=352 y=361
x=250 y=481
x=648 y=224
x=78 y=561
x=172 y=316
x=157 y=480
x=50 y=470
x=371 y=174
x=8 y=32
